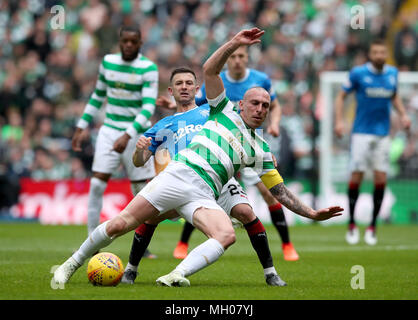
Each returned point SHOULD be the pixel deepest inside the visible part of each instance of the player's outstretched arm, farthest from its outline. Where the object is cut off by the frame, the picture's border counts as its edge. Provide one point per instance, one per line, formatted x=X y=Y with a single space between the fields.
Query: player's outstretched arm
x=288 y=199
x=213 y=66
x=142 y=154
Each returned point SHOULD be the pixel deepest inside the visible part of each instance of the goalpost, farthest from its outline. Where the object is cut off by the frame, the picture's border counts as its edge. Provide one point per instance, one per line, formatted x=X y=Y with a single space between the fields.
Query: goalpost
x=401 y=198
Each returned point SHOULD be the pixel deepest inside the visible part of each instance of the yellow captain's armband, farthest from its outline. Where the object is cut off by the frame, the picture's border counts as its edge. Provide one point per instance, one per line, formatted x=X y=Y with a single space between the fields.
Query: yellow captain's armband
x=271 y=178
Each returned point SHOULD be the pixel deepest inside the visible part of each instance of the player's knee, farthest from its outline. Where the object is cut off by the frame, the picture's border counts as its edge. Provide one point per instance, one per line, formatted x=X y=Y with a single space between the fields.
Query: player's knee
x=116 y=227
x=97 y=186
x=380 y=179
x=155 y=220
x=356 y=177
x=243 y=213
x=226 y=237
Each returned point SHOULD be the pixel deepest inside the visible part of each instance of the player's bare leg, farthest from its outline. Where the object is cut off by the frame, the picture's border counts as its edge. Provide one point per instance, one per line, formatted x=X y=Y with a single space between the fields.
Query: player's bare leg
x=140 y=242
x=353 y=236
x=279 y=222
x=217 y=226
x=379 y=191
x=136 y=212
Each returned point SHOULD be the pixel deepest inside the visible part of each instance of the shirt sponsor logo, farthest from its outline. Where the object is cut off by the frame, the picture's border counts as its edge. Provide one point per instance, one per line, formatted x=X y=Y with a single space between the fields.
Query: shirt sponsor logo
x=379 y=92
x=181 y=132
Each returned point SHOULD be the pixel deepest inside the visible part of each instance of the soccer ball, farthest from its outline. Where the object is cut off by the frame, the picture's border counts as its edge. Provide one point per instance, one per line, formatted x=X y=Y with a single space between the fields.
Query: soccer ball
x=105 y=269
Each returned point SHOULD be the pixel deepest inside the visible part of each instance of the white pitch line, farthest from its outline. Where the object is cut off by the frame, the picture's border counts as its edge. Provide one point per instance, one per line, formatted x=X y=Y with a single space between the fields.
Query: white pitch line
x=357 y=248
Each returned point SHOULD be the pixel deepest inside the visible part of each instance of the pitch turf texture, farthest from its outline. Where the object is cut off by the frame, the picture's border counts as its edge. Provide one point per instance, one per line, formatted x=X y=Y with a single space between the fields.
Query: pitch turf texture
x=28 y=251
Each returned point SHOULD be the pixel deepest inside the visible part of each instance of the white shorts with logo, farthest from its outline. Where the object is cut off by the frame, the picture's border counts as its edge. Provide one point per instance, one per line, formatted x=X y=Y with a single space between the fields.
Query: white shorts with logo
x=369 y=151
x=179 y=187
x=106 y=160
x=232 y=194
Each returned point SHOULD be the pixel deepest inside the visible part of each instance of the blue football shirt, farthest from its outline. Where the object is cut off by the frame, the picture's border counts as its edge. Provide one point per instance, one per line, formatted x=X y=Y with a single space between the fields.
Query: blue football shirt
x=175 y=132
x=374 y=93
x=235 y=90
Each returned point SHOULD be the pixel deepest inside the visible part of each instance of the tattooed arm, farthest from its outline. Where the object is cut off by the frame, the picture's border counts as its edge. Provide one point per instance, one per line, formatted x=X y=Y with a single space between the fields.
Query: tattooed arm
x=290 y=201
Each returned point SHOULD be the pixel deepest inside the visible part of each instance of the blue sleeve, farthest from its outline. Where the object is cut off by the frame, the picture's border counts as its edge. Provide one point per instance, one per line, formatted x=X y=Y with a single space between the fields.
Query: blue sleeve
x=201 y=96
x=151 y=133
x=352 y=82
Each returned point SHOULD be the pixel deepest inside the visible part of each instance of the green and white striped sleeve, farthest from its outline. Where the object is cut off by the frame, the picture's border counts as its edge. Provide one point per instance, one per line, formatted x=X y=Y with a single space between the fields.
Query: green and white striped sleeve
x=218 y=104
x=149 y=96
x=96 y=100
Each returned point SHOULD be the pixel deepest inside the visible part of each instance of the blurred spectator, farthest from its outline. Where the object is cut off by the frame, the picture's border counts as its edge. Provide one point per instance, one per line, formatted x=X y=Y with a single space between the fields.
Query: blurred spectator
x=406 y=49
x=46 y=168
x=77 y=169
x=94 y=9
x=12 y=132
x=47 y=76
x=297 y=128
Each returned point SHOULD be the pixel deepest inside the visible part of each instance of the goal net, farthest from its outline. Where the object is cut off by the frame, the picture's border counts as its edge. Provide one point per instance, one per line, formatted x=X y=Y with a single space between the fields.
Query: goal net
x=400 y=204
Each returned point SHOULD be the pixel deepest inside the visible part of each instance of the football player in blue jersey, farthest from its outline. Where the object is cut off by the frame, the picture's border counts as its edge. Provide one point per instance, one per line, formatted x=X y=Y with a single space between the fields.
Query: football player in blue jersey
x=375 y=84
x=237 y=79
x=174 y=133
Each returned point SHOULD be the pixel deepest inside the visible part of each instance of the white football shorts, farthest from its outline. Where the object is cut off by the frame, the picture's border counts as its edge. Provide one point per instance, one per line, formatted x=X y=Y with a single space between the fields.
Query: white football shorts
x=106 y=160
x=369 y=151
x=231 y=195
x=179 y=187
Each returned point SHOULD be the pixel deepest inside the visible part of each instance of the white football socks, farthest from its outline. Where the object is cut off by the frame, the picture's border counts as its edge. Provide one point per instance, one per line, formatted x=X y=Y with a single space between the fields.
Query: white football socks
x=131 y=267
x=269 y=270
x=200 y=257
x=97 y=240
x=95 y=203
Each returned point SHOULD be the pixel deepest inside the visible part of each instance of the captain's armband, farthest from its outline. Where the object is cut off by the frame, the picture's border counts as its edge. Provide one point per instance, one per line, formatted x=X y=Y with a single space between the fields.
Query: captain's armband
x=271 y=178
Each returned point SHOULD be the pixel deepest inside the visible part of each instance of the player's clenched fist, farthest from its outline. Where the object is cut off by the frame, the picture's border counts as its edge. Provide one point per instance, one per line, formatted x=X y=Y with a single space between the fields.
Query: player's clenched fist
x=143 y=143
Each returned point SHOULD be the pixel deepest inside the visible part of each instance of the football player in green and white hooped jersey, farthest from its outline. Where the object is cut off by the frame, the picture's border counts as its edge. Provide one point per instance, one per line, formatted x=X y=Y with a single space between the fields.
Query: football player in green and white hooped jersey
x=191 y=182
x=129 y=83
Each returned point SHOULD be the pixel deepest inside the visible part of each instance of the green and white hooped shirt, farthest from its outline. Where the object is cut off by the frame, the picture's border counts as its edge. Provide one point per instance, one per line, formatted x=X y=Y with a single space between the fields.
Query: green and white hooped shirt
x=131 y=90
x=225 y=145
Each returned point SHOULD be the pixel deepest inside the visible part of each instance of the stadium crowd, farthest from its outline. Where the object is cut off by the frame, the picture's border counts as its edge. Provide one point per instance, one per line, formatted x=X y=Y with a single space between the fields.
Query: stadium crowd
x=47 y=75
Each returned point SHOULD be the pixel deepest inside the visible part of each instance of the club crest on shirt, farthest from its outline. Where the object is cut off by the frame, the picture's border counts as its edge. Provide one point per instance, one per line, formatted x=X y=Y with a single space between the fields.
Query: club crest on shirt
x=367 y=79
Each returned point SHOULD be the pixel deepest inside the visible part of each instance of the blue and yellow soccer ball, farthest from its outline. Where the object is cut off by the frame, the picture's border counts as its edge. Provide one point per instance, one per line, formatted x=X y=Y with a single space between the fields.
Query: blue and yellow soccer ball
x=105 y=269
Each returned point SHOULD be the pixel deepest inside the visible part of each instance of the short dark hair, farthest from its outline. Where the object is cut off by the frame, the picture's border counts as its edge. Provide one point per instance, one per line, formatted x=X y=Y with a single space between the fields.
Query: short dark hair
x=182 y=70
x=378 y=42
x=130 y=28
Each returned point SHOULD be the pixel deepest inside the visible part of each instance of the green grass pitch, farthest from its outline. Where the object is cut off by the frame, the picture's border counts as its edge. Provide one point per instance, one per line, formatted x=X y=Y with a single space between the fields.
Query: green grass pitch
x=28 y=251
